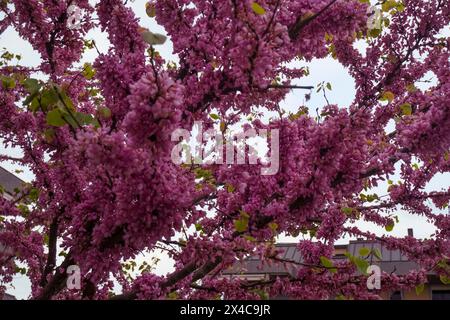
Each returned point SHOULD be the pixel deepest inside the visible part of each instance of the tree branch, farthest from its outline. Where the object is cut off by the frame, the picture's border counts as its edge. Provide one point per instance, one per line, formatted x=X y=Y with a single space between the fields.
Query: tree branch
x=51 y=258
x=276 y=86
x=301 y=23
x=57 y=281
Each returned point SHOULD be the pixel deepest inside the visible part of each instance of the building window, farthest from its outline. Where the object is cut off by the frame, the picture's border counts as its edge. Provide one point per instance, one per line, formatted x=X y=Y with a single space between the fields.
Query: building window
x=397 y=295
x=440 y=295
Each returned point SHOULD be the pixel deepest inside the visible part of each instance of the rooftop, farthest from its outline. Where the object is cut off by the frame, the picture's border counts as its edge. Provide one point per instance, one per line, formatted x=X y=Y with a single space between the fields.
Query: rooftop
x=8 y=297
x=392 y=261
x=9 y=181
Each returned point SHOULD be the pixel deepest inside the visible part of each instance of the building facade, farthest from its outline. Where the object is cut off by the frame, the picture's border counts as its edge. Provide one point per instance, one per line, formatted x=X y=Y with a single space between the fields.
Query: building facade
x=9 y=184
x=392 y=261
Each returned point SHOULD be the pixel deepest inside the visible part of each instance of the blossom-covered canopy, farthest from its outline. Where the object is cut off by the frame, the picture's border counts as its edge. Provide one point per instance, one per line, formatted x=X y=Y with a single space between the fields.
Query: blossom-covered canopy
x=98 y=141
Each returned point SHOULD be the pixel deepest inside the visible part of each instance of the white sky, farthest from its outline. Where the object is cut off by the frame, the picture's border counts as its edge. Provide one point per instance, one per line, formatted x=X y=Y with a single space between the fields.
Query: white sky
x=327 y=70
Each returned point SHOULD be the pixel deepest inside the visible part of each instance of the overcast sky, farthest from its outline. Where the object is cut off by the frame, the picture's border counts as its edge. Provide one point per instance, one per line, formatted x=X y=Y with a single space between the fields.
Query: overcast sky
x=327 y=70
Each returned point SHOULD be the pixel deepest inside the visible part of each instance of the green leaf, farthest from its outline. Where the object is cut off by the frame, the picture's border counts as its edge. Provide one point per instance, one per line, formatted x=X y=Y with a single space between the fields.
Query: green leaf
x=444 y=279
x=31 y=85
x=406 y=109
x=84 y=118
x=69 y=119
x=33 y=195
x=328 y=37
x=361 y=264
x=203 y=174
x=67 y=102
x=173 y=295
x=34 y=106
x=250 y=238
x=329 y=86
x=240 y=225
x=214 y=116
x=49 y=97
x=296 y=233
x=389 y=227
x=387 y=96
x=377 y=253
x=273 y=226
x=400 y=7
x=49 y=135
x=327 y=263
x=8 y=56
x=388 y=5
x=419 y=288
x=88 y=71
x=63 y=254
x=230 y=188
x=54 y=118
x=258 y=9
x=89 y=44
x=374 y=32
x=22 y=271
x=411 y=88
x=8 y=83
x=153 y=38
x=369 y=197
x=105 y=112
x=23 y=209
x=198 y=227
x=348 y=211
x=332 y=51
x=46 y=239
x=150 y=9
x=363 y=252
